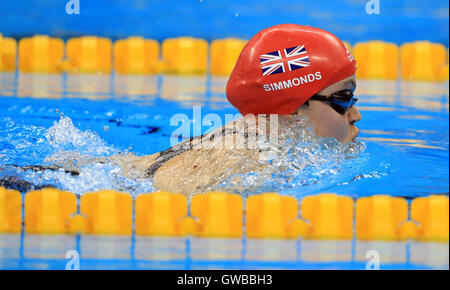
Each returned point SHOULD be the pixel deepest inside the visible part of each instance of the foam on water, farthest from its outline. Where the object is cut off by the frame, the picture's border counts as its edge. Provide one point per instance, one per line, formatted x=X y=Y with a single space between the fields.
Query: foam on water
x=303 y=163
x=64 y=136
x=63 y=145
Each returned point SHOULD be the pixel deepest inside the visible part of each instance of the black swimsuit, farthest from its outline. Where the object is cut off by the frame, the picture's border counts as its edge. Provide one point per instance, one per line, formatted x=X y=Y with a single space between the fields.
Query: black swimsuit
x=176 y=150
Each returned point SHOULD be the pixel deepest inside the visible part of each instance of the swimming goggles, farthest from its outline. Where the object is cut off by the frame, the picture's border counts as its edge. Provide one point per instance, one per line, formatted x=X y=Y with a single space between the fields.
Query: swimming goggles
x=340 y=101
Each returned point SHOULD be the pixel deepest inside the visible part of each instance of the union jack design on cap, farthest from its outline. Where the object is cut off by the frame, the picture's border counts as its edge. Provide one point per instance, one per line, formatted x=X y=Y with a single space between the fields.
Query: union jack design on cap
x=283 y=66
x=283 y=60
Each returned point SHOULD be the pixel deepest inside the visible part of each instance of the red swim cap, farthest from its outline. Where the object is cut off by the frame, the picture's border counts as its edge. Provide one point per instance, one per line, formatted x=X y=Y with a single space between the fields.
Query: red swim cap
x=282 y=66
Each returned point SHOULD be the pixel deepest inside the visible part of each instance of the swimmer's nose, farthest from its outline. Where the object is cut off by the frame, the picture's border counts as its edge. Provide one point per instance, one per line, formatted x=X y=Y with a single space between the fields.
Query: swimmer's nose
x=354 y=115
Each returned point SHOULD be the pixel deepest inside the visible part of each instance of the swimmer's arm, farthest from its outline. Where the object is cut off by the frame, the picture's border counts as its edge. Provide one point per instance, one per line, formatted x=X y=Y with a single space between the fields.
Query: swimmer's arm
x=134 y=166
x=72 y=164
x=42 y=168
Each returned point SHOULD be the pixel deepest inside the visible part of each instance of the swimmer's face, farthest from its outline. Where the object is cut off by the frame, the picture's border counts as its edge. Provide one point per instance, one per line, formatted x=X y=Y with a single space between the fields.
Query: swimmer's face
x=329 y=123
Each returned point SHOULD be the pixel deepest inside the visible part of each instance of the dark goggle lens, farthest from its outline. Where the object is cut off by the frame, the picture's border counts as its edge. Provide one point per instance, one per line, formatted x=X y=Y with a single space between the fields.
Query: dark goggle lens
x=340 y=101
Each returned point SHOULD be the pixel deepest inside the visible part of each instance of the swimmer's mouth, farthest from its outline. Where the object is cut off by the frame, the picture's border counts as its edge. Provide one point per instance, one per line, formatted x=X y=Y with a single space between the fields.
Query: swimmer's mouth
x=356 y=135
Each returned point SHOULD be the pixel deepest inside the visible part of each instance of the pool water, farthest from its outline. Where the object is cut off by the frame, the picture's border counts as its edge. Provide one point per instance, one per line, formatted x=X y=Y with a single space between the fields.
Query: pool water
x=404 y=128
x=403 y=150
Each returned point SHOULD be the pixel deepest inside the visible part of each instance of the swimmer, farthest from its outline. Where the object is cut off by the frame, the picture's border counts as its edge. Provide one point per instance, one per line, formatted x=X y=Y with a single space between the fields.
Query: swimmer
x=286 y=70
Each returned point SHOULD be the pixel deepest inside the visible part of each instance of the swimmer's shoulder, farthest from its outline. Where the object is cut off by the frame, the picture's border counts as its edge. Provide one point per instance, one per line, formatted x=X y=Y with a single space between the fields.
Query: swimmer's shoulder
x=179 y=151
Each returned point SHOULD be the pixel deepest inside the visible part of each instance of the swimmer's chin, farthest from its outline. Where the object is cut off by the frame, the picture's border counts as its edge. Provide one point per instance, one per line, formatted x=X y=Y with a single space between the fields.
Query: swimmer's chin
x=352 y=136
x=355 y=134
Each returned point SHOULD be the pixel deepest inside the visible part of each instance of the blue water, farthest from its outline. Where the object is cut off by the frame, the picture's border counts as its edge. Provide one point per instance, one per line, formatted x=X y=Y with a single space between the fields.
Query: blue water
x=404 y=127
x=136 y=252
x=398 y=21
x=404 y=130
